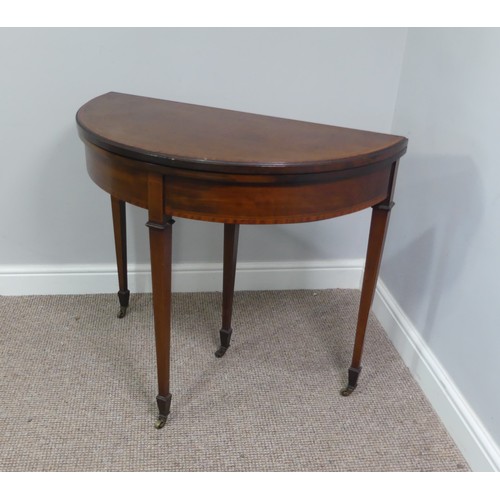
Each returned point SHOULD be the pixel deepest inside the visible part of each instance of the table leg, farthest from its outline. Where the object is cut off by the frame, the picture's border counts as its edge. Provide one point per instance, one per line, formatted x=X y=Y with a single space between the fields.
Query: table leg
x=378 y=229
x=160 y=244
x=231 y=233
x=160 y=238
x=120 y=232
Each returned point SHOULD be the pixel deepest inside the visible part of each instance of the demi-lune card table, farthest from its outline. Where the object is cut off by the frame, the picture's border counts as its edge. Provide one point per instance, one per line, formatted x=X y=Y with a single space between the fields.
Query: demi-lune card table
x=216 y=165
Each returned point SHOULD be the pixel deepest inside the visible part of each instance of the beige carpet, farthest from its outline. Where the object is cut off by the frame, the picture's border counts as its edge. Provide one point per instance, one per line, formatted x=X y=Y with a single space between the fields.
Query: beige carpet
x=78 y=389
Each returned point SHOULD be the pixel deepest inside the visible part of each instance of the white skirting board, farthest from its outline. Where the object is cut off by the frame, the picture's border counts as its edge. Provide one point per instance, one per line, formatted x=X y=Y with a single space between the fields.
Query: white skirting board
x=192 y=277
x=477 y=446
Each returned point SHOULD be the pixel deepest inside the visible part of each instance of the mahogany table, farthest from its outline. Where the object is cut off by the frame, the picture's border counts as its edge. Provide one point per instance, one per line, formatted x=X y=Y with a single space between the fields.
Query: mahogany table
x=216 y=165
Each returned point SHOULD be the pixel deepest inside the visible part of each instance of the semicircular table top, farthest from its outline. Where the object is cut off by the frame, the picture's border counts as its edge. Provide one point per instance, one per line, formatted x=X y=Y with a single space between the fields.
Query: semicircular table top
x=205 y=138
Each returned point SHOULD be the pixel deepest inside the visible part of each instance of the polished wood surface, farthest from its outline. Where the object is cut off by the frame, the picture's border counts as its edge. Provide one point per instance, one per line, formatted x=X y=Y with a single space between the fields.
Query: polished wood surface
x=190 y=161
x=231 y=235
x=120 y=232
x=217 y=140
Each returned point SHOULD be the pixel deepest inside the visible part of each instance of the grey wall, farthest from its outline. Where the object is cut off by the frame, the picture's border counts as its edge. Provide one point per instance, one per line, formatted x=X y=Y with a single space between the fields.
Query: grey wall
x=51 y=213
x=442 y=263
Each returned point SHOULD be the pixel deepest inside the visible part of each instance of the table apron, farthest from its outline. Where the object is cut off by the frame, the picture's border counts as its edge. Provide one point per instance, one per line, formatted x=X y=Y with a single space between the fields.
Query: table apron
x=244 y=198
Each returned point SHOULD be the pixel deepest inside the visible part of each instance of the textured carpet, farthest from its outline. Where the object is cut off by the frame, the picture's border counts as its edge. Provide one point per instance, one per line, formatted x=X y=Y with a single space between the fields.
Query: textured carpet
x=78 y=389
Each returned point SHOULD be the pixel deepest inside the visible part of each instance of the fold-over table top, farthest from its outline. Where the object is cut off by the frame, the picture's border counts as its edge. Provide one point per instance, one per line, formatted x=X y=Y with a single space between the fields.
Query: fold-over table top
x=218 y=140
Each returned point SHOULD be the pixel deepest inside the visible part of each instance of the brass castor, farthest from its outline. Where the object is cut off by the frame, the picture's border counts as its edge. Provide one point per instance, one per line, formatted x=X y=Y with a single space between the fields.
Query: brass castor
x=122 y=311
x=347 y=390
x=123 y=297
x=160 y=422
x=220 y=351
x=352 y=382
x=225 y=339
x=163 y=409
